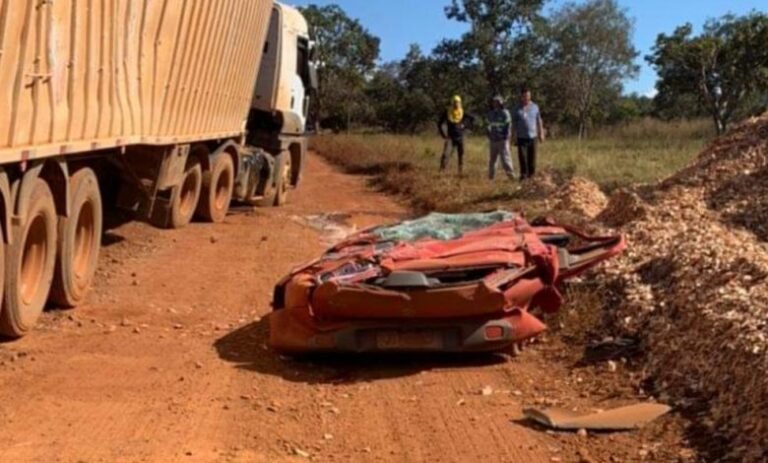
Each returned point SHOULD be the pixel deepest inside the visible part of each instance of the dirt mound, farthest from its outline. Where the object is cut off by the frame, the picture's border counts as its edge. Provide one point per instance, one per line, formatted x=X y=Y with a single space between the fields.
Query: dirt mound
x=695 y=287
x=581 y=196
x=734 y=174
x=541 y=186
x=623 y=207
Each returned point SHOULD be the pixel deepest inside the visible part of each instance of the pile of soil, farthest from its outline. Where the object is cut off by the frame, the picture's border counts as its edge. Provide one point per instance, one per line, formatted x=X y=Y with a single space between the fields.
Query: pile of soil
x=623 y=207
x=543 y=185
x=581 y=196
x=693 y=285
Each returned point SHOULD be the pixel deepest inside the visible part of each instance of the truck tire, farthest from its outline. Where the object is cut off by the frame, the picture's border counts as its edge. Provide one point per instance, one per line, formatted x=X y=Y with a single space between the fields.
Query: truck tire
x=276 y=193
x=79 y=241
x=29 y=263
x=186 y=195
x=218 y=184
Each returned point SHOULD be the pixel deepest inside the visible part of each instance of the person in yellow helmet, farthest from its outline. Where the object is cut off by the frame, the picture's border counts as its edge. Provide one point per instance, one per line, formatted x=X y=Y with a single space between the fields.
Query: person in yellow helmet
x=451 y=126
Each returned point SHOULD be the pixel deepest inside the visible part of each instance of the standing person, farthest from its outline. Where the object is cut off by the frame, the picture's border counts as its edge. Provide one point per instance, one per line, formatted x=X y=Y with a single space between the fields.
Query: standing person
x=529 y=129
x=451 y=127
x=499 y=131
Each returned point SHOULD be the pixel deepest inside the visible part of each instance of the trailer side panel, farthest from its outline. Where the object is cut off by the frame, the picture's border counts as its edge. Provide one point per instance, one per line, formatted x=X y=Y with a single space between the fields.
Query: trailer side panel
x=79 y=75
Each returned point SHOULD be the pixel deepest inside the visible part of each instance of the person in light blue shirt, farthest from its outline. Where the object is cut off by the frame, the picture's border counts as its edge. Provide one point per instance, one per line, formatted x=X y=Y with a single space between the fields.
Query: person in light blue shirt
x=529 y=129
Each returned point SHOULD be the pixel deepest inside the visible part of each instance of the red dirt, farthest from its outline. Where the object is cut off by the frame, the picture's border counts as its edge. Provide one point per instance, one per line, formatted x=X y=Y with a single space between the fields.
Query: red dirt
x=168 y=362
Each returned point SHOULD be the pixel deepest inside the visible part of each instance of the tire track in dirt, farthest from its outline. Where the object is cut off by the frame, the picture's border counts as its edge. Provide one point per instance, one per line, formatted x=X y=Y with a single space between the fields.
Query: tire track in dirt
x=168 y=362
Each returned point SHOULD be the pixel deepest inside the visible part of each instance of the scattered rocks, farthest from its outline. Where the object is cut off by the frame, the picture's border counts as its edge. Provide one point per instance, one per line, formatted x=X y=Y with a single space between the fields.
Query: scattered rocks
x=585 y=456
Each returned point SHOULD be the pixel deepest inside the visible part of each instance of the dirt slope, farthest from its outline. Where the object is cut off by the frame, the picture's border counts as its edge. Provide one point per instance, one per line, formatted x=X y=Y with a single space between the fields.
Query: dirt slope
x=168 y=363
x=694 y=286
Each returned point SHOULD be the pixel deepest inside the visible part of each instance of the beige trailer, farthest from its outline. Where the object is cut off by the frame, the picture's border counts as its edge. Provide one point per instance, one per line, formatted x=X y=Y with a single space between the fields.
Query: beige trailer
x=140 y=104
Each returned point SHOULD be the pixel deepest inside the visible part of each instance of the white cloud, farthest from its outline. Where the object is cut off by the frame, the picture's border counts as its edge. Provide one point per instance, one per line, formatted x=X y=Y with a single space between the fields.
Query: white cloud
x=651 y=93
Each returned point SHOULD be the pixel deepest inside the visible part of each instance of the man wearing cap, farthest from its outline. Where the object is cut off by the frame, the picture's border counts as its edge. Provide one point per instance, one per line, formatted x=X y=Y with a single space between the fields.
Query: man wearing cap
x=499 y=131
x=529 y=129
x=451 y=127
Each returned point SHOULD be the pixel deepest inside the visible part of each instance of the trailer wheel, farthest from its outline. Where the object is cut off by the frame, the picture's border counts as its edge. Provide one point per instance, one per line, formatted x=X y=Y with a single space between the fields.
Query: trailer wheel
x=79 y=241
x=186 y=195
x=276 y=192
x=30 y=263
x=218 y=184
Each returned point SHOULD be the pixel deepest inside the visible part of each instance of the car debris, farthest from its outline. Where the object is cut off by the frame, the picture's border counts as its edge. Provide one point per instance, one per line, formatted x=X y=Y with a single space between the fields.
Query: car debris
x=611 y=348
x=618 y=419
x=445 y=282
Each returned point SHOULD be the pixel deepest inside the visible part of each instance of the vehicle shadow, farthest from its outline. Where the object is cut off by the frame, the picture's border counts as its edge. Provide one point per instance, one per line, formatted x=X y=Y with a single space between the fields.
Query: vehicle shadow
x=248 y=348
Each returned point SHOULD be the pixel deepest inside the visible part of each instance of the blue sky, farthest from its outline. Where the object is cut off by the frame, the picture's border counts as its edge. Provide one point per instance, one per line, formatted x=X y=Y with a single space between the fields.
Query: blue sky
x=401 y=22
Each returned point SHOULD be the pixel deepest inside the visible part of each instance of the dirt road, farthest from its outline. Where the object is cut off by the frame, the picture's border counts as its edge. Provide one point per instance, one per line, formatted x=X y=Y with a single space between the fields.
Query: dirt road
x=168 y=362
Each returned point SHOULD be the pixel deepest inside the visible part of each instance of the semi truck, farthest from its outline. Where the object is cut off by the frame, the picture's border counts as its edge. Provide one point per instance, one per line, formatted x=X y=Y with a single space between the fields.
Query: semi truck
x=170 y=109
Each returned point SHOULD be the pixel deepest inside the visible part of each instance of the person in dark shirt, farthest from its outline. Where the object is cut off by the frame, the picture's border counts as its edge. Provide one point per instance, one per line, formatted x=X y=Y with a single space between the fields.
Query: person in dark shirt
x=529 y=129
x=451 y=127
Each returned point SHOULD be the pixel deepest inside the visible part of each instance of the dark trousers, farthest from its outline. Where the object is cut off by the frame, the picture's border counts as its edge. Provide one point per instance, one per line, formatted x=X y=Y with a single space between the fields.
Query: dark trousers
x=526 y=154
x=451 y=145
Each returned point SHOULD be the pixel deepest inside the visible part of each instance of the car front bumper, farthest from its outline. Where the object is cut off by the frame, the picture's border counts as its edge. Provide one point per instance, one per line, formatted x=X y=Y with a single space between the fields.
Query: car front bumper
x=295 y=331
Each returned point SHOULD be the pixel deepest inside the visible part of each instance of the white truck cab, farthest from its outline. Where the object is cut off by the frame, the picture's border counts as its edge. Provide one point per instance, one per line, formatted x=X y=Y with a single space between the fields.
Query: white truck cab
x=285 y=87
x=286 y=78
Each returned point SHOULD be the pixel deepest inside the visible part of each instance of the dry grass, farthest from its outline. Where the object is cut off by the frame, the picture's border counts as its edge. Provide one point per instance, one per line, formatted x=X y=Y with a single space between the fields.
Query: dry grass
x=407 y=165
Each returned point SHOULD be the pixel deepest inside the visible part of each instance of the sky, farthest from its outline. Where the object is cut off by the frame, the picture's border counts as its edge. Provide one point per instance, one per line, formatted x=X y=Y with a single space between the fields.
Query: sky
x=401 y=22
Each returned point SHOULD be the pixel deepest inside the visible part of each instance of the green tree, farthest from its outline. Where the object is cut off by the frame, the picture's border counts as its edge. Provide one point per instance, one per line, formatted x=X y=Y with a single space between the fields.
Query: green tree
x=348 y=53
x=452 y=72
x=591 y=55
x=399 y=93
x=725 y=67
x=496 y=26
x=629 y=108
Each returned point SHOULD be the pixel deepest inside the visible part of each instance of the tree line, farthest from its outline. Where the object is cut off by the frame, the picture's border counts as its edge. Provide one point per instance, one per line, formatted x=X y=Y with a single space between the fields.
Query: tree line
x=575 y=59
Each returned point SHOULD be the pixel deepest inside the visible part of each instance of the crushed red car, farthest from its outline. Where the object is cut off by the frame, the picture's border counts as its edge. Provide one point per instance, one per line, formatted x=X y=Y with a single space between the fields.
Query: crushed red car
x=445 y=282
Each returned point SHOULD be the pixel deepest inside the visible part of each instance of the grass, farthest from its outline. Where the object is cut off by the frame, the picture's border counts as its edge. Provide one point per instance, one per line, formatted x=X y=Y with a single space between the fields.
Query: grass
x=643 y=152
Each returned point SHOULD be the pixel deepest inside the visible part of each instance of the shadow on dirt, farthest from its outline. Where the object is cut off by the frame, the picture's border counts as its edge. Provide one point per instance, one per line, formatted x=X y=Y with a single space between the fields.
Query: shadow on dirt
x=247 y=347
x=379 y=168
